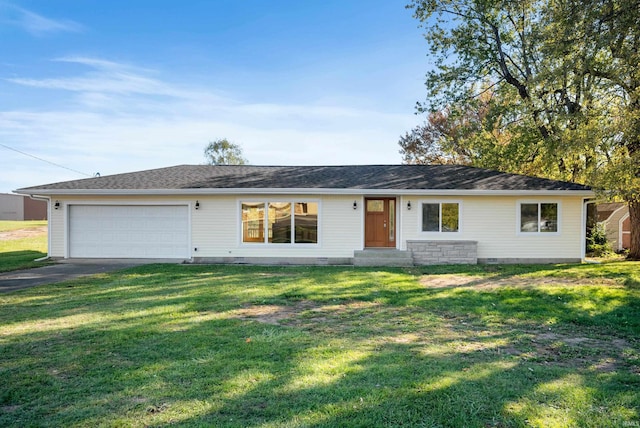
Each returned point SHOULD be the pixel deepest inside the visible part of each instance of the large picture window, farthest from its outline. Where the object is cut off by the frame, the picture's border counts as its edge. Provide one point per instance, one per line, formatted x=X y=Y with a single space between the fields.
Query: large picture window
x=440 y=217
x=538 y=217
x=280 y=222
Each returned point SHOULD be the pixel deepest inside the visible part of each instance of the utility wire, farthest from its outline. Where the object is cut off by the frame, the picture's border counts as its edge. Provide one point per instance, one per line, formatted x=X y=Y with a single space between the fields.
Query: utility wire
x=44 y=160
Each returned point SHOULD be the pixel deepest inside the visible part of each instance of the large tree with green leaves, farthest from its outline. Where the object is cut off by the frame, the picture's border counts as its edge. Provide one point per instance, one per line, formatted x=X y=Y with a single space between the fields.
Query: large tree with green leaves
x=223 y=152
x=560 y=84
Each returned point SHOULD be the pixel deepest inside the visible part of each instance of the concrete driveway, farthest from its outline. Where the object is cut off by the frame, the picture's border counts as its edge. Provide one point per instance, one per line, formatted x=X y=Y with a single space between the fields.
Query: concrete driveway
x=64 y=271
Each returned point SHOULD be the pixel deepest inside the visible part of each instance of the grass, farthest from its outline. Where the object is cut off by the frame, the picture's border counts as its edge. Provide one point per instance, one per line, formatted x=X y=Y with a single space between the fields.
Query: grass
x=7 y=225
x=20 y=253
x=242 y=346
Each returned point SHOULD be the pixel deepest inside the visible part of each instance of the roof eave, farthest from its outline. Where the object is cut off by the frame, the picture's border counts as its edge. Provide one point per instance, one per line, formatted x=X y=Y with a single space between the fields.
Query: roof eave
x=297 y=191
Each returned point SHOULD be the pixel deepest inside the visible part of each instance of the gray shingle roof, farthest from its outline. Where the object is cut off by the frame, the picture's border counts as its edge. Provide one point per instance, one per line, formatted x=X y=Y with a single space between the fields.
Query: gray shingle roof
x=362 y=177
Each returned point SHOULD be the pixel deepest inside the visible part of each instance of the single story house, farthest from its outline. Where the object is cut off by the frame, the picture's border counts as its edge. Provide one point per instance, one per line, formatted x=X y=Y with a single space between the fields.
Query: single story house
x=617 y=224
x=20 y=208
x=363 y=215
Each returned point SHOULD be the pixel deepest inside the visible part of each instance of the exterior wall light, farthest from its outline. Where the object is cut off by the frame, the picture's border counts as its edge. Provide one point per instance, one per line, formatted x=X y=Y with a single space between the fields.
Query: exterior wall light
x=197 y=205
x=355 y=205
x=409 y=205
x=56 y=205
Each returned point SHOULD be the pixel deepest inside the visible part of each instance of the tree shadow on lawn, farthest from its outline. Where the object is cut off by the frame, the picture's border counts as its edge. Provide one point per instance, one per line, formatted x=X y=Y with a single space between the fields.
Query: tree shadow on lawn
x=387 y=355
x=397 y=385
x=613 y=311
x=628 y=273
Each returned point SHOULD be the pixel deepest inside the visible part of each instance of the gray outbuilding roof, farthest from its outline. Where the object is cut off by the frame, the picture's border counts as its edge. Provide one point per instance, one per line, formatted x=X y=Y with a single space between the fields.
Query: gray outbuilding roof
x=358 y=177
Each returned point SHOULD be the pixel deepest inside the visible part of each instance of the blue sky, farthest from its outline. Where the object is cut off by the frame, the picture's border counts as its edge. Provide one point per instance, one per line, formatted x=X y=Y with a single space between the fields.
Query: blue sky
x=115 y=86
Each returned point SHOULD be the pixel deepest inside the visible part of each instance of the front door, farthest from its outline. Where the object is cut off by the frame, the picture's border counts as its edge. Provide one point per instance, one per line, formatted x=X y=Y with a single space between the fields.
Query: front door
x=380 y=222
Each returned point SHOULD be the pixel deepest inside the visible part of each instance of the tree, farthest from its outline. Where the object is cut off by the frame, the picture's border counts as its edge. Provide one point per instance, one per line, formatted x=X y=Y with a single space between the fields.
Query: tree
x=223 y=152
x=564 y=82
x=472 y=132
x=433 y=143
x=609 y=31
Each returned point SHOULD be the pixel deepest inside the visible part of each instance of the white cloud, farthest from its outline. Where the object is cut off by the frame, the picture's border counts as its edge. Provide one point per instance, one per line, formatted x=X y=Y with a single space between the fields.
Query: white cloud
x=123 y=118
x=34 y=23
x=96 y=62
x=106 y=76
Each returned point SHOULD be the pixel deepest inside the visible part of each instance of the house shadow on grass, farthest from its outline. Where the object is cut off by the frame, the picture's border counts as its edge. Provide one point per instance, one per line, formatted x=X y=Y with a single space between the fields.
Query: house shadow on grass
x=25 y=259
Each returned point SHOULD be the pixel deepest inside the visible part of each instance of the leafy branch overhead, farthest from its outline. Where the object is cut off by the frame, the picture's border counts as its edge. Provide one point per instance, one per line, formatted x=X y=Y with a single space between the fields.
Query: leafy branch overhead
x=550 y=88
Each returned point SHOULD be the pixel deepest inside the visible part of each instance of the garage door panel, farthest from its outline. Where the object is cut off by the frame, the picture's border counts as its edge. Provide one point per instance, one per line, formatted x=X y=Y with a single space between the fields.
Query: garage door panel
x=128 y=231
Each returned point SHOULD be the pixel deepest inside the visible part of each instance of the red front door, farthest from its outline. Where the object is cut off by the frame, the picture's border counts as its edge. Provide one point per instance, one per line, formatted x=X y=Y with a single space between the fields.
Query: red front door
x=380 y=222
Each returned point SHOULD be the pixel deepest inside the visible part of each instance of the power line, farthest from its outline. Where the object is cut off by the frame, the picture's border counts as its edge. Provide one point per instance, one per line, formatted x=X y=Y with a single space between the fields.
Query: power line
x=44 y=160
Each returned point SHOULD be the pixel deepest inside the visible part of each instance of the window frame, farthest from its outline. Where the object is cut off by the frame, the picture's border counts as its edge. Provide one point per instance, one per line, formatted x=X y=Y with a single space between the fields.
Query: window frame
x=539 y=203
x=440 y=232
x=266 y=202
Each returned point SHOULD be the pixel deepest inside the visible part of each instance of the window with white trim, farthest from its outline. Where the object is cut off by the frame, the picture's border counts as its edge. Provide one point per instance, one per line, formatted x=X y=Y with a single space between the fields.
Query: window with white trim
x=538 y=217
x=440 y=217
x=279 y=222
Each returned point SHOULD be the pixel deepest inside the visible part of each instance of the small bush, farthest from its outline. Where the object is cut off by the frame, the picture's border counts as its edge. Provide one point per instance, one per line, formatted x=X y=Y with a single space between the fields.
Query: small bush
x=597 y=244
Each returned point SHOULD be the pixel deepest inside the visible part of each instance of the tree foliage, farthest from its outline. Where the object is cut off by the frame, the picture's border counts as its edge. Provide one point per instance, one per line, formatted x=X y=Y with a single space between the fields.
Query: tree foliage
x=223 y=152
x=436 y=142
x=553 y=85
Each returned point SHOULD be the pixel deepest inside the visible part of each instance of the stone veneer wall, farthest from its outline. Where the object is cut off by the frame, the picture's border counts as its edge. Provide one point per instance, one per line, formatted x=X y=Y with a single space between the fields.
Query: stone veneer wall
x=443 y=252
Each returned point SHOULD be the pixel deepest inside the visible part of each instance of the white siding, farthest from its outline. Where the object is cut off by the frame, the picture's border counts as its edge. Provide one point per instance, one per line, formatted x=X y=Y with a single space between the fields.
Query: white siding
x=57 y=229
x=215 y=226
x=491 y=220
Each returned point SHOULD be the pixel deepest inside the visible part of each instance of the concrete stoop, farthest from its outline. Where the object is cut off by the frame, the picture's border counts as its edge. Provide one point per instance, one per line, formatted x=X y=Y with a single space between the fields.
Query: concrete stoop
x=382 y=257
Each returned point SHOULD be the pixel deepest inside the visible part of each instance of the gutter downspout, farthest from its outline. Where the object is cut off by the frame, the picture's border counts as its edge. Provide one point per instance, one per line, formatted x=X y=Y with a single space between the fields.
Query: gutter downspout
x=48 y=200
x=583 y=233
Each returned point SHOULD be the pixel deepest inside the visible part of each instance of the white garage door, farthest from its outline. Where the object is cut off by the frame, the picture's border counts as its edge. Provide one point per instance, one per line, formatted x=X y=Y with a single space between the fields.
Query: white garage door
x=124 y=231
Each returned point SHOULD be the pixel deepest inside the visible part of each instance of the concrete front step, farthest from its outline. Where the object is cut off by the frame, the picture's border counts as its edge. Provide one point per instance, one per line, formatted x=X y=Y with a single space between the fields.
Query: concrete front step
x=382 y=257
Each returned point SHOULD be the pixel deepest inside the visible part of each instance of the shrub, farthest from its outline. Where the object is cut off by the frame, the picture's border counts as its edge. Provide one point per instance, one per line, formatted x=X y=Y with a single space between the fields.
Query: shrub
x=597 y=244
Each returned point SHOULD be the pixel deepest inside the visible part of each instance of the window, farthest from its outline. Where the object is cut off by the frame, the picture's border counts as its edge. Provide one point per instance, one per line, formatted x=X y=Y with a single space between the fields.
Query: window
x=538 y=217
x=253 y=222
x=441 y=217
x=306 y=223
x=280 y=222
x=375 y=205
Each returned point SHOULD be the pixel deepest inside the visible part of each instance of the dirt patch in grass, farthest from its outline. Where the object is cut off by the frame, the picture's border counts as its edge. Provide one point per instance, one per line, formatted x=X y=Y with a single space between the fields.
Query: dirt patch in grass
x=484 y=283
x=299 y=312
x=273 y=314
x=567 y=350
x=31 y=232
x=448 y=281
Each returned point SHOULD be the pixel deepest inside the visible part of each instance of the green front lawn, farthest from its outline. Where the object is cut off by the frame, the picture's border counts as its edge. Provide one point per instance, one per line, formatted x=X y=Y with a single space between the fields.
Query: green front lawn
x=20 y=252
x=242 y=346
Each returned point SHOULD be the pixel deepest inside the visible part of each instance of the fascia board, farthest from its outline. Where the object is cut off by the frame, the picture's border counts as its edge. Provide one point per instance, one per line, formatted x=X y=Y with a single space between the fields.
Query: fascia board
x=305 y=191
